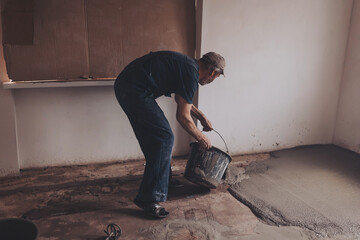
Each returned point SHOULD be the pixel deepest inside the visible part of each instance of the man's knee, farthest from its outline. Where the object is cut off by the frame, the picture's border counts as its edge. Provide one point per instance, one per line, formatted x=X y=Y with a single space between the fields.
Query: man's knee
x=169 y=135
x=172 y=138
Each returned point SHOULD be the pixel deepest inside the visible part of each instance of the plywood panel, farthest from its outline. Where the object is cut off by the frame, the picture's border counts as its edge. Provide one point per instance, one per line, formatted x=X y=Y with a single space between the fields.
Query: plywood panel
x=30 y=62
x=17 y=5
x=120 y=31
x=158 y=25
x=66 y=21
x=17 y=21
x=105 y=38
x=73 y=38
x=21 y=30
x=60 y=43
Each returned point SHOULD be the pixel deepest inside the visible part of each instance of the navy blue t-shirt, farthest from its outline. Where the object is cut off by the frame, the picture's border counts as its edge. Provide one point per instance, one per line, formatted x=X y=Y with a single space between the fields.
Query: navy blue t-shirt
x=169 y=72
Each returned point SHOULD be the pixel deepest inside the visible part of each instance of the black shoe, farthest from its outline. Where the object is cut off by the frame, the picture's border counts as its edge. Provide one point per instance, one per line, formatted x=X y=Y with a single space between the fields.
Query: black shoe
x=152 y=208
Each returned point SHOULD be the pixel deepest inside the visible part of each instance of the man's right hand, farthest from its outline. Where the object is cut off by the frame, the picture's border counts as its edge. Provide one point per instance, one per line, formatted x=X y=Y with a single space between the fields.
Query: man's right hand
x=204 y=142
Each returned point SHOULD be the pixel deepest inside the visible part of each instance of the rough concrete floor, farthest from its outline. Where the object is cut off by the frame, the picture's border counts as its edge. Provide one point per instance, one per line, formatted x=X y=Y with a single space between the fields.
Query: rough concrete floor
x=78 y=202
x=316 y=188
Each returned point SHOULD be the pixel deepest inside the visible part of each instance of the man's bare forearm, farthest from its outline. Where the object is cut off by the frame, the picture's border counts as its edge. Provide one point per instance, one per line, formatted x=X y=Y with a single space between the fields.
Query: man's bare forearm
x=188 y=124
x=183 y=115
x=197 y=113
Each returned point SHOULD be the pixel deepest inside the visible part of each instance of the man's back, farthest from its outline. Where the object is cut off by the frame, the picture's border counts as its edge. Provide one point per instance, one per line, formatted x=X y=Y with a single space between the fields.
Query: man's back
x=168 y=72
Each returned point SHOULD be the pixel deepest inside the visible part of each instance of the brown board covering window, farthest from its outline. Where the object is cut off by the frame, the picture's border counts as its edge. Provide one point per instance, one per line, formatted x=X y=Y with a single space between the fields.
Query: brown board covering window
x=72 y=39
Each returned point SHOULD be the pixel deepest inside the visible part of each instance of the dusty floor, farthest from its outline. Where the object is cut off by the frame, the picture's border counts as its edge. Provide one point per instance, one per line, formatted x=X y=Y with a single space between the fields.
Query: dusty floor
x=78 y=202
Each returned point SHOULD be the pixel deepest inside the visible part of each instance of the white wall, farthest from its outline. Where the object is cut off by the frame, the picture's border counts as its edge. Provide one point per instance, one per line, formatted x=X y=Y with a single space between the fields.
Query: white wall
x=284 y=67
x=9 y=164
x=63 y=126
x=347 y=132
x=284 y=62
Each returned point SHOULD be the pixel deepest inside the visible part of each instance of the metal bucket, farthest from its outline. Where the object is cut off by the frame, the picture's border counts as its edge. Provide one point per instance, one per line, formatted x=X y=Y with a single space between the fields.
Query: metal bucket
x=18 y=229
x=206 y=167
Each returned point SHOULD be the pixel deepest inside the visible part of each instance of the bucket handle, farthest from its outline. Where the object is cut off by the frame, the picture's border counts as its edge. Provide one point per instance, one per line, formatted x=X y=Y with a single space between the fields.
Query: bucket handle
x=227 y=149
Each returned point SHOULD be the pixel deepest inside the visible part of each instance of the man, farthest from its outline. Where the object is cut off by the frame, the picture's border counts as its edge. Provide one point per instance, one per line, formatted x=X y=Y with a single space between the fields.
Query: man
x=137 y=87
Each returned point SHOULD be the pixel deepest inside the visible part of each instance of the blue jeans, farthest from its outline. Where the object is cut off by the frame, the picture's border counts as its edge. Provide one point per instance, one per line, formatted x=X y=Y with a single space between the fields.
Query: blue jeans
x=152 y=131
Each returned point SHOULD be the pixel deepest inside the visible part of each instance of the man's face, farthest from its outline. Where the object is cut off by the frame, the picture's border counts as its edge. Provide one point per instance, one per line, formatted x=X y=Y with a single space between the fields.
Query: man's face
x=207 y=76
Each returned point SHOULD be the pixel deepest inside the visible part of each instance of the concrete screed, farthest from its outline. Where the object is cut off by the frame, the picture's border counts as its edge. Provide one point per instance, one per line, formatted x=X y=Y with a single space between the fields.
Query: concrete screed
x=316 y=188
x=312 y=190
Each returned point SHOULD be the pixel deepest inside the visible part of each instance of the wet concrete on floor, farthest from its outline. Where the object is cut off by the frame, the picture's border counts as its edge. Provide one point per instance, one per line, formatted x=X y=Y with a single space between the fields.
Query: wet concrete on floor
x=315 y=188
x=78 y=202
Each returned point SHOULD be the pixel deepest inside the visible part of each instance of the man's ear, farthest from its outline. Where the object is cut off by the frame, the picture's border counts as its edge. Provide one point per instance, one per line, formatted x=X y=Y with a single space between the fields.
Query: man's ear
x=214 y=74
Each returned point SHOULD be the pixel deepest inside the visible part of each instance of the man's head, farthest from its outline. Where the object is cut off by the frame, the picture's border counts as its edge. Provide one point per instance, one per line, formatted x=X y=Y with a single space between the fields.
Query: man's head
x=211 y=65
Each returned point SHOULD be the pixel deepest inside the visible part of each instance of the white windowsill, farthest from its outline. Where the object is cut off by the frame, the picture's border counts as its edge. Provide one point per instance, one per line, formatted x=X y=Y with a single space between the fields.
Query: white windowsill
x=58 y=83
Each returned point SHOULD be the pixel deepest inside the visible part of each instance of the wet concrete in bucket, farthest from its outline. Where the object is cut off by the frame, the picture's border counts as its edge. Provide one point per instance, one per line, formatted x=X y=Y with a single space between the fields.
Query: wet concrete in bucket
x=316 y=188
